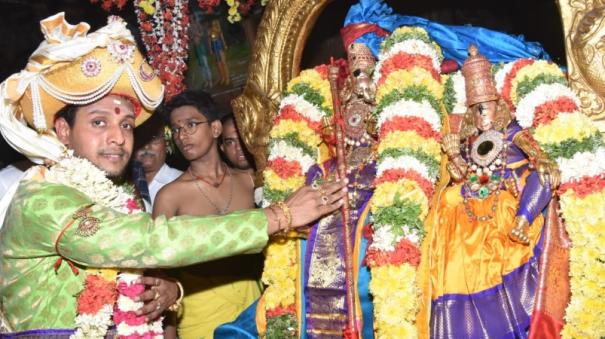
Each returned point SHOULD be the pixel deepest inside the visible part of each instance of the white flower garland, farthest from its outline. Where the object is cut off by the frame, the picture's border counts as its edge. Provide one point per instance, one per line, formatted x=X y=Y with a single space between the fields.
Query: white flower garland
x=501 y=74
x=291 y=153
x=409 y=46
x=583 y=164
x=541 y=94
x=460 y=93
x=93 y=326
x=302 y=106
x=405 y=162
x=82 y=175
x=410 y=108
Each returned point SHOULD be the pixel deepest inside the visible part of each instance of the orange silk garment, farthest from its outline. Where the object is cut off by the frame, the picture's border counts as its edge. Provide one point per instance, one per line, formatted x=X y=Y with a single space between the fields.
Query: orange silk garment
x=469 y=256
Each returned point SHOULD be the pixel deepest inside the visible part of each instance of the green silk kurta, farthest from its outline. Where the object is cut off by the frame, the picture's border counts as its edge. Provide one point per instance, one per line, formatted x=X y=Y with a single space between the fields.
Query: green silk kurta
x=35 y=296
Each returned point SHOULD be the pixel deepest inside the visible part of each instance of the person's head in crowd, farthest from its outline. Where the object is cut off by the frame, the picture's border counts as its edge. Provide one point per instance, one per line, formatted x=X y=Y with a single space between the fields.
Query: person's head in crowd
x=152 y=144
x=232 y=146
x=194 y=122
x=96 y=88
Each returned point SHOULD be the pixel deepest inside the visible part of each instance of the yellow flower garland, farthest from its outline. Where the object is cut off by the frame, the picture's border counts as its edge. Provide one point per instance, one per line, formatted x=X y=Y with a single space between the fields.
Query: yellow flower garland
x=410 y=140
x=405 y=78
x=539 y=67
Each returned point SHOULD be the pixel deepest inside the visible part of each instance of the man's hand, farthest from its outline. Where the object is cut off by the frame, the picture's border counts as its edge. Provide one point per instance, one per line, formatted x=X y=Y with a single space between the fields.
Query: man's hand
x=160 y=294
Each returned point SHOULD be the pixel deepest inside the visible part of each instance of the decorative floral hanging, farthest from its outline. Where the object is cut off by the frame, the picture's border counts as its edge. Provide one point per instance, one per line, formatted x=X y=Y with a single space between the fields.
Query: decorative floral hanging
x=163 y=26
x=108 y=4
x=236 y=8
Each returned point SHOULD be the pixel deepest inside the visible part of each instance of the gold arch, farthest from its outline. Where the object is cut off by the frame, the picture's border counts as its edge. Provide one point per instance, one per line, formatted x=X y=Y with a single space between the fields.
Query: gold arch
x=286 y=24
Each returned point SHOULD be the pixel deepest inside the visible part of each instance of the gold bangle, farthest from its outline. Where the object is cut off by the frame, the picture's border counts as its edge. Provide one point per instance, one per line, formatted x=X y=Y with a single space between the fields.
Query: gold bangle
x=270 y=208
x=287 y=214
x=177 y=304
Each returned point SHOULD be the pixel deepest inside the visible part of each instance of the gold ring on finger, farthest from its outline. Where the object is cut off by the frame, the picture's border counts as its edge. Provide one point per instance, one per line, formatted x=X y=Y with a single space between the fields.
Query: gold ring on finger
x=324 y=200
x=157 y=308
x=315 y=185
x=156 y=296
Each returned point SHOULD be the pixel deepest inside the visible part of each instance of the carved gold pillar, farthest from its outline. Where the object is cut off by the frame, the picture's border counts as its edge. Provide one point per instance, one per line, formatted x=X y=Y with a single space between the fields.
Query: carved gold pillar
x=280 y=41
x=584 y=29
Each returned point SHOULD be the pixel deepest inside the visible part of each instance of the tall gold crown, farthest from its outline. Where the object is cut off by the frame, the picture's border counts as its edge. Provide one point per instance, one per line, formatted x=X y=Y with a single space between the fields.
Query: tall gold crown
x=479 y=83
x=360 y=57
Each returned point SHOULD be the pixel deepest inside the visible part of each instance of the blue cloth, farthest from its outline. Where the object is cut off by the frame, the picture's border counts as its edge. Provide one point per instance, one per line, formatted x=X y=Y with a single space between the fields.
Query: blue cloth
x=139 y=180
x=244 y=326
x=454 y=40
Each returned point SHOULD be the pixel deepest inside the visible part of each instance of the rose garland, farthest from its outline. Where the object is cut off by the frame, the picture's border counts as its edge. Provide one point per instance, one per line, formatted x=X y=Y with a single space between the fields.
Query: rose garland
x=129 y=325
x=293 y=149
x=102 y=297
x=545 y=104
x=409 y=116
x=107 y=5
x=163 y=26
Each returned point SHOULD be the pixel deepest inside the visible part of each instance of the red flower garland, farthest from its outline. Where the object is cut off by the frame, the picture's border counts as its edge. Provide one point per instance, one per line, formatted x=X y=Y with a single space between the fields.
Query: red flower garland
x=405 y=252
x=393 y=175
x=549 y=110
x=409 y=123
x=97 y=293
x=584 y=186
x=167 y=42
x=508 y=80
x=405 y=61
x=284 y=168
x=108 y=4
x=288 y=112
x=276 y=312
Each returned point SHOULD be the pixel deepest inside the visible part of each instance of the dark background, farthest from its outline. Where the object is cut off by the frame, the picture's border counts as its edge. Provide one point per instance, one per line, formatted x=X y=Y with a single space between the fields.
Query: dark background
x=537 y=20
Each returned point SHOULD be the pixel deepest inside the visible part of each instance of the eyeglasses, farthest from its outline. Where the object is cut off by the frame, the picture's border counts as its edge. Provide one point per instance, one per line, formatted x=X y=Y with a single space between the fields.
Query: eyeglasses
x=189 y=128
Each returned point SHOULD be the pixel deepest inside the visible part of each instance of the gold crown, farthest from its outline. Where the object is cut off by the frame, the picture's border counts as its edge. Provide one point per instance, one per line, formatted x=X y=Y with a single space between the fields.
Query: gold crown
x=71 y=67
x=478 y=79
x=360 y=57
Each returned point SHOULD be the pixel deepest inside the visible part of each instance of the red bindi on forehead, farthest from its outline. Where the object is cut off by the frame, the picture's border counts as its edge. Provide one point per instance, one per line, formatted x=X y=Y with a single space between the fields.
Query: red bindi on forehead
x=116 y=110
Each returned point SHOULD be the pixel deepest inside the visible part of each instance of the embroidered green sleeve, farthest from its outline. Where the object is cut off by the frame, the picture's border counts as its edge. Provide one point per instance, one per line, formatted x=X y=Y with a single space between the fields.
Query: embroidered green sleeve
x=102 y=237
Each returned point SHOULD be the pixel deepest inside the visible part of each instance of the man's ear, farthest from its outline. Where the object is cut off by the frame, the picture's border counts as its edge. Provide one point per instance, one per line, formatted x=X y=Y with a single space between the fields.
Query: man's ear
x=217 y=128
x=63 y=130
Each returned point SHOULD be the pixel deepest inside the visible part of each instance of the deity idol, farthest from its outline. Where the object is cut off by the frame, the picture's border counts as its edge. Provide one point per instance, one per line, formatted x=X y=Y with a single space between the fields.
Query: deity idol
x=487 y=227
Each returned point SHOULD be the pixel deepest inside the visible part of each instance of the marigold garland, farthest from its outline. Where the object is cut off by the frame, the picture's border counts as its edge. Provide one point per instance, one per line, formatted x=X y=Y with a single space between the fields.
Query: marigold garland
x=408 y=104
x=573 y=141
x=294 y=148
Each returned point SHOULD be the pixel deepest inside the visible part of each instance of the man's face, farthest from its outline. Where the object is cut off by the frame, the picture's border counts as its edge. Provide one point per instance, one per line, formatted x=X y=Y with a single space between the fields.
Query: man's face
x=232 y=147
x=102 y=132
x=193 y=134
x=153 y=155
x=485 y=113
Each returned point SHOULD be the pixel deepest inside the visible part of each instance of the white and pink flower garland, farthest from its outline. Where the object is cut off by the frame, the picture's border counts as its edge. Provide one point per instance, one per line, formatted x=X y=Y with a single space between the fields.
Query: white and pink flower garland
x=409 y=116
x=164 y=26
x=129 y=325
x=538 y=91
x=105 y=293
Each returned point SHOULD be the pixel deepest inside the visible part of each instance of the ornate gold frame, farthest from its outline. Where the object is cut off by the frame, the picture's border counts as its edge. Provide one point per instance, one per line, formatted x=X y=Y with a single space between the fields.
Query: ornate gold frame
x=286 y=24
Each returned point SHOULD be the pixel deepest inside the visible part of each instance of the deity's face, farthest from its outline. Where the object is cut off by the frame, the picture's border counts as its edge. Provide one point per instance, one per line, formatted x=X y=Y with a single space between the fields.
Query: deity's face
x=153 y=155
x=101 y=132
x=232 y=146
x=193 y=134
x=485 y=114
